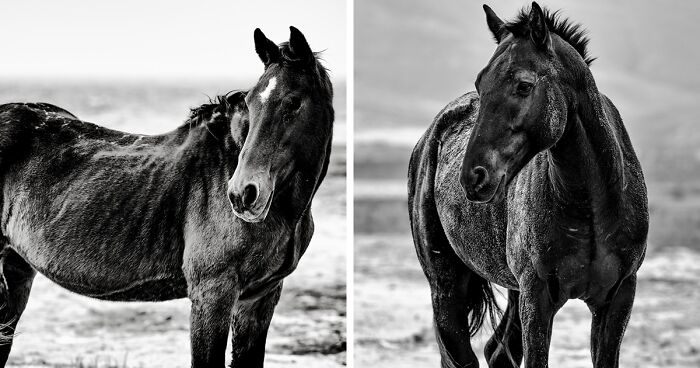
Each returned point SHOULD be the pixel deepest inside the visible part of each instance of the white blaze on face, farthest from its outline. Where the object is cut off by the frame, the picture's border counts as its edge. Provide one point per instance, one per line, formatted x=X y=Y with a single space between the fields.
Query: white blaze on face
x=265 y=94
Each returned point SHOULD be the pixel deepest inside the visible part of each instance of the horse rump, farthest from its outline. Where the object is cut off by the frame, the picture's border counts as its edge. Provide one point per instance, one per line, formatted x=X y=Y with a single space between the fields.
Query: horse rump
x=15 y=123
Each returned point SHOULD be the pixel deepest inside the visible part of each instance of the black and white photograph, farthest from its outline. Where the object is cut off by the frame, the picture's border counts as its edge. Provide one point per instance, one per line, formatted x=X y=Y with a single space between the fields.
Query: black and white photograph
x=526 y=184
x=173 y=184
x=349 y=183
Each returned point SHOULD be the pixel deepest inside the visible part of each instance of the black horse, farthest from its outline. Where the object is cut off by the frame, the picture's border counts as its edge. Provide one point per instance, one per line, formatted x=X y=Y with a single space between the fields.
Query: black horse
x=530 y=183
x=119 y=216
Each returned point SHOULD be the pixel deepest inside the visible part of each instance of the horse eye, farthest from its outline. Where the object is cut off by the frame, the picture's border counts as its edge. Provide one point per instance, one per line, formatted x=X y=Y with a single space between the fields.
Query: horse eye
x=524 y=88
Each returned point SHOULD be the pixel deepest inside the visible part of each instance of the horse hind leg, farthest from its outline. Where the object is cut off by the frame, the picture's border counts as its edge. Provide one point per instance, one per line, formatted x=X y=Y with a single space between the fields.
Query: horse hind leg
x=460 y=297
x=505 y=347
x=17 y=278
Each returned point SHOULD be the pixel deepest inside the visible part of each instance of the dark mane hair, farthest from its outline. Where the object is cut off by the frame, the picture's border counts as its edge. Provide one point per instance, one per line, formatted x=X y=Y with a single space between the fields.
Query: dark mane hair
x=572 y=33
x=221 y=104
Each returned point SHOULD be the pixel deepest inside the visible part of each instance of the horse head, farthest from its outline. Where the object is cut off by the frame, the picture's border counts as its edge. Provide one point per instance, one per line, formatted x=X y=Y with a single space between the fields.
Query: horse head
x=526 y=92
x=289 y=128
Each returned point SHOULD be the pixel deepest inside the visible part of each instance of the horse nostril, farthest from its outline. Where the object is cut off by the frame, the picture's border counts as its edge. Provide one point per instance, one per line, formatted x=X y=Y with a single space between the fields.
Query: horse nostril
x=250 y=195
x=479 y=177
x=235 y=201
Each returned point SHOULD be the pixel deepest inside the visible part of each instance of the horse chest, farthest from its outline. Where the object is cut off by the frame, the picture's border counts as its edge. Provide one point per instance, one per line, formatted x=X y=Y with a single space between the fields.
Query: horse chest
x=561 y=249
x=567 y=257
x=249 y=257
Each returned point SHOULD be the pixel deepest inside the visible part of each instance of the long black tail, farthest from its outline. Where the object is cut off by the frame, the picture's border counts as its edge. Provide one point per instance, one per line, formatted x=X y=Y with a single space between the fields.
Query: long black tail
x=482 y=304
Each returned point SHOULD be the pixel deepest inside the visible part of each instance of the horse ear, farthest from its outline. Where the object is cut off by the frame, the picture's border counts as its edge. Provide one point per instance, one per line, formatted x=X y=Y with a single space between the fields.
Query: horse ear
x=298 y=45
x=538 y=26
x=495 y=24
x=267 y=50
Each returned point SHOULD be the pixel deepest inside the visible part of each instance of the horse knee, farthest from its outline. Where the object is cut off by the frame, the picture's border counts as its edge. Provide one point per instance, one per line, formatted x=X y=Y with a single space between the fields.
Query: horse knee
x=249 y=325
x=252 y=318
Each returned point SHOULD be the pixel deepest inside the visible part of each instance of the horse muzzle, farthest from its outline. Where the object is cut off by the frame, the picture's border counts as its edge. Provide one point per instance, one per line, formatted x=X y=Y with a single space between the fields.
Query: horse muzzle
x=480 y=186
x=250 y=197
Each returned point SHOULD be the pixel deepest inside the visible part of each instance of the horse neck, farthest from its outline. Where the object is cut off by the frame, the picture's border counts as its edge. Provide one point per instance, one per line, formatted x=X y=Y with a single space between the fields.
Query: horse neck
x=587 y=164
x=298 y=195
x=303 y=192
x=206 y=154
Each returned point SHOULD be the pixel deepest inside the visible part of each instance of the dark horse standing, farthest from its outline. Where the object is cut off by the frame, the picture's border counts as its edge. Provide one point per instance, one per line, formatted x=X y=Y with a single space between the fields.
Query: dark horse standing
x=532 y=184
x=119 y=216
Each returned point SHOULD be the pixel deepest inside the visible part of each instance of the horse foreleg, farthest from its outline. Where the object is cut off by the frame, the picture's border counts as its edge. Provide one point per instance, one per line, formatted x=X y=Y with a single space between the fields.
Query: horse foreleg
x=17 y=283
x=610 y=319
x=212 y=303
x=249 y=324
x=505 y=347
x=537 y=310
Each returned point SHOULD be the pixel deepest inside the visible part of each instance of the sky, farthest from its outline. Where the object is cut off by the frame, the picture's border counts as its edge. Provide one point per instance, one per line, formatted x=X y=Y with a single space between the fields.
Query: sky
x=160 y=39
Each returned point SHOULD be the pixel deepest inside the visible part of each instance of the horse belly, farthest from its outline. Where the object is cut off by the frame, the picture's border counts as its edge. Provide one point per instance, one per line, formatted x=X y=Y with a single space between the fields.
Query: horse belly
x=477 y=235
x=475 y=231
x=484 y=255
x=97 y=272
x=158 y=288
x=108 y=283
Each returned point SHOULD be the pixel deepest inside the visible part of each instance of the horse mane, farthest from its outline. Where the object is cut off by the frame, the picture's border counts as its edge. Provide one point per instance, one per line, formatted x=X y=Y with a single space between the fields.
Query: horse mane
x=572 y=33
x=221 y=104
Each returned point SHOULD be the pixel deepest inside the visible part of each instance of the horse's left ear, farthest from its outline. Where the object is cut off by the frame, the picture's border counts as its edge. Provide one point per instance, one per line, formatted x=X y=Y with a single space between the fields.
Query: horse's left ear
x=298 y=45
x=538 y=27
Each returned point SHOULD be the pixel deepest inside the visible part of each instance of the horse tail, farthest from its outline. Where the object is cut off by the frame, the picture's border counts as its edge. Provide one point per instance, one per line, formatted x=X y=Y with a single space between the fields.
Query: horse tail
x=481 y=305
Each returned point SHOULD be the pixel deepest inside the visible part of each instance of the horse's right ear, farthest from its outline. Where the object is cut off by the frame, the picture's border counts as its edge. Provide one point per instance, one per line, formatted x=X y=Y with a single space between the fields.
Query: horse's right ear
x=267 y=50
x=495 y=24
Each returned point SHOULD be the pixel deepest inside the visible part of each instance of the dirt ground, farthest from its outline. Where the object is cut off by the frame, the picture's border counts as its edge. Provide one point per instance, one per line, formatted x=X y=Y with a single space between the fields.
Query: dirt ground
x=395 y=329
x=63 y=329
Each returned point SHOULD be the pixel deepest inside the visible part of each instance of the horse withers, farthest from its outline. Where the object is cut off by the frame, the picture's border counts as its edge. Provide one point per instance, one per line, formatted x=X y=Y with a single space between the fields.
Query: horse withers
x=530 y=183
x=218 y=210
